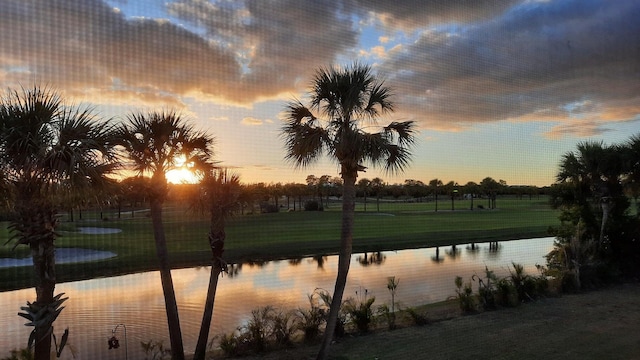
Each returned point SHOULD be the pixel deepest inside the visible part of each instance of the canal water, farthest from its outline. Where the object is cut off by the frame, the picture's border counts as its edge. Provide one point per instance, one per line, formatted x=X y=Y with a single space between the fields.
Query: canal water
x=96 y=306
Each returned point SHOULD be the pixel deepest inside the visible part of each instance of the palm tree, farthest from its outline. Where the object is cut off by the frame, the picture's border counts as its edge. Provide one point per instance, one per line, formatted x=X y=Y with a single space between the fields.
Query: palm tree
x=157 y=143
x=340 y=101
x=48 y=150
x=434 y=184
x=377 y=185
x=219 y=195
x=364 y=184
x=471 y=188
x=595 y=170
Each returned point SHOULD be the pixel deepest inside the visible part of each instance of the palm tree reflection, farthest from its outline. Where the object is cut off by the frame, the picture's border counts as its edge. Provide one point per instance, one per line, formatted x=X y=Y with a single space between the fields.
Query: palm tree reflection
x=376 y=258
x=437 y=258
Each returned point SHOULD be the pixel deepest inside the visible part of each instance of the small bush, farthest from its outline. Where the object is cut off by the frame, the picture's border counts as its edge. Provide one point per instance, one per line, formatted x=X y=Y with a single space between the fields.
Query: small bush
x=506 y=294
x=283 y=327
x=487 y=289
x=22 y=354
x=342 y=314
x=418 y=319
x=230 y=343
x=258 y=329
x=465 y=296
x=154 y=350
x=312 y=205
x=309 y=321
x=389 y=316
x=269 y=208
x=360 y=313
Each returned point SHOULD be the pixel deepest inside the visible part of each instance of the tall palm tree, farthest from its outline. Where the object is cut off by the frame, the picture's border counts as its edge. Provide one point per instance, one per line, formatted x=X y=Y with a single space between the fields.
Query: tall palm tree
x=341 y=101
x=220 y=197
x=157 y=143
x=47 y=150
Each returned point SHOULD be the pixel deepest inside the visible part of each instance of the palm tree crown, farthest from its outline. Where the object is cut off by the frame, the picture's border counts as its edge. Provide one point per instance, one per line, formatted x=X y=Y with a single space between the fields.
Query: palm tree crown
x=155 y=142
x=343 y=99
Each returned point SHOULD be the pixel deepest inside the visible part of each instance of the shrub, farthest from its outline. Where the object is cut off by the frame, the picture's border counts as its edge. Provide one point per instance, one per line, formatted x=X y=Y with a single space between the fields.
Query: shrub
x=269 y=208
x=258 y=329
x=230 y=343
x=528 y=287
x=506 y=294
x=418 y=319
x=312 y=205
x=360 y=313
x=465 y=296
x=383 y=310
x=283 y=327
x=309 y=321
x=154 y=350
x=22 y=354
x=487 y=289
x=342 y=314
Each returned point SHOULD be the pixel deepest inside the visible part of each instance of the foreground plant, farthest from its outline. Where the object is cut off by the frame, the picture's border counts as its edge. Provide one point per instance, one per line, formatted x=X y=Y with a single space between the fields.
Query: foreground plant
x=360 y=311
x=48 y=150
x=465 y=296
x=310 y=320
x=487 y=288
x=341 y=100
x=392 y=286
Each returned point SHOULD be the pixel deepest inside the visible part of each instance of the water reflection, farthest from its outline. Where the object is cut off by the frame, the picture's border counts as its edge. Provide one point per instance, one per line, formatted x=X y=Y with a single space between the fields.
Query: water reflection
x=97 y=306
x=320 y=260
x=376 y=258
x=437 y=258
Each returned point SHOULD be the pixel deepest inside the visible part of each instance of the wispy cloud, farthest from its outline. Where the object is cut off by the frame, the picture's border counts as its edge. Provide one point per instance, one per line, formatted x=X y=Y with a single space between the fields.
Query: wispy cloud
x=251 y=121
x=453 y=64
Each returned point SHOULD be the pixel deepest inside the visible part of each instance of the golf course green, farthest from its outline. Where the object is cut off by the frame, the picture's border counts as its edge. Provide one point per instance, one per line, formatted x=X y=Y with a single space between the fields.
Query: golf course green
x=286 y=234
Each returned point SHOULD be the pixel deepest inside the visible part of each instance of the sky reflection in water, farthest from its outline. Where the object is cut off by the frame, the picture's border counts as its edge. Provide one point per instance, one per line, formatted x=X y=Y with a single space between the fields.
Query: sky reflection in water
x=96 y=306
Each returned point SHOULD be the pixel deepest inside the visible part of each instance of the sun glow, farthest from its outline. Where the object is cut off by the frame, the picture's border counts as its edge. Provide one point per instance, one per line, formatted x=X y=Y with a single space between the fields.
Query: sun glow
x=183 y=173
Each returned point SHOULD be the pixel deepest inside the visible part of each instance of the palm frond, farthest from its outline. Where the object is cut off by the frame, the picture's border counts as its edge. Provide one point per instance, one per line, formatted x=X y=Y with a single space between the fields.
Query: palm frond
x=343 y=96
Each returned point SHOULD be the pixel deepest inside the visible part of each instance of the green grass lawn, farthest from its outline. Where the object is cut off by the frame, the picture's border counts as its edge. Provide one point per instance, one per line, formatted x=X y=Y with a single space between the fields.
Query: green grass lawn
x=286 y=234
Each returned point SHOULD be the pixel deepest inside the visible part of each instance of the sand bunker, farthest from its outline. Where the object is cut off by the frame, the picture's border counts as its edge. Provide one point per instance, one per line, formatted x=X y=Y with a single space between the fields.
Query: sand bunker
x=98 y=230
x=63 y=256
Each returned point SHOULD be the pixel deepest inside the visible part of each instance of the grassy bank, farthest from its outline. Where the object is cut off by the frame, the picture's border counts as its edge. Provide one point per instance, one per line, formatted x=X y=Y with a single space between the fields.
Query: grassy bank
x=284 y=235
x=593 y=325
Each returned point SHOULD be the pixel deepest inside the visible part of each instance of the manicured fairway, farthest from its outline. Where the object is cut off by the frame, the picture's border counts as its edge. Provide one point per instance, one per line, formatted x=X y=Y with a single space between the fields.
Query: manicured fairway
x=285 y=234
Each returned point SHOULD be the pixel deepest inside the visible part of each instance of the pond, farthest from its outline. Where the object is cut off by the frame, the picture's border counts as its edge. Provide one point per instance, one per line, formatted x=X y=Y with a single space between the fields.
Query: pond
x=96 y=306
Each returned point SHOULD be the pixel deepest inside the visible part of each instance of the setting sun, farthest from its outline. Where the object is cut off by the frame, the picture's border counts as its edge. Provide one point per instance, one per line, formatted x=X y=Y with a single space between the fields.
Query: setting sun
x=181 y=176
x=183 y=173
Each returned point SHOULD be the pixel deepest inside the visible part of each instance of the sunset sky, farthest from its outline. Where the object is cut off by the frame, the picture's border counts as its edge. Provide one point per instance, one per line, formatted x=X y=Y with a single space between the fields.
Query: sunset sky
x=498 y=88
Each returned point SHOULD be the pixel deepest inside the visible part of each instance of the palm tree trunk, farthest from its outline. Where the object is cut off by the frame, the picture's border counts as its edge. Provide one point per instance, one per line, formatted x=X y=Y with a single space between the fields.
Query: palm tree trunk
x=207 y=315
x=43 y=255
x=216 y=241
x=344 y=258
x=365 y=201
x=606 y=206
x=171 y=304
